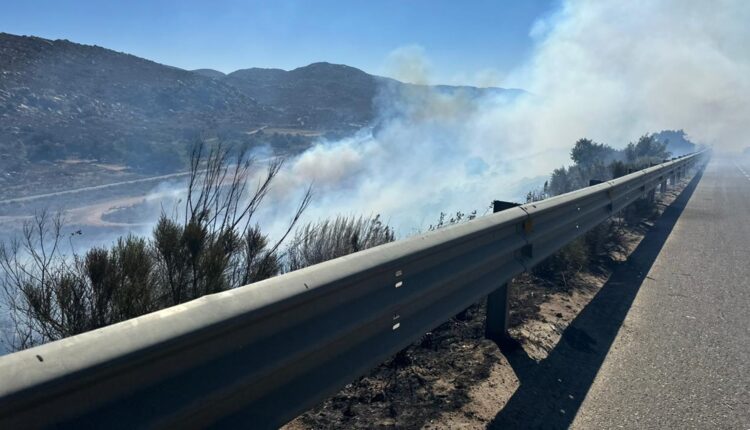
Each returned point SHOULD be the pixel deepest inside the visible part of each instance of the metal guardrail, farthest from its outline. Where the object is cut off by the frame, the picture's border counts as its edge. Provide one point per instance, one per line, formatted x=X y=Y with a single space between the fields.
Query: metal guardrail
x=259 y=355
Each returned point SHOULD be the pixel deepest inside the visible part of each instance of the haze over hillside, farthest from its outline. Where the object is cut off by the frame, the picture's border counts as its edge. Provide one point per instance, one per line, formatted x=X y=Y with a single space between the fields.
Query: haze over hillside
x=60 y=99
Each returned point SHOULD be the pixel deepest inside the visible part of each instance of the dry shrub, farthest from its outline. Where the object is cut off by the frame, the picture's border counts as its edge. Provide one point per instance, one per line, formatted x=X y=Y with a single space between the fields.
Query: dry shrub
x=212 y=246
x=320 y=241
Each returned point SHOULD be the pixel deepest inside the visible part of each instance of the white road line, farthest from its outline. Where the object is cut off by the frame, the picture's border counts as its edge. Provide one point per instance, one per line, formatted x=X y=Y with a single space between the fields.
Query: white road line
x=742 y=171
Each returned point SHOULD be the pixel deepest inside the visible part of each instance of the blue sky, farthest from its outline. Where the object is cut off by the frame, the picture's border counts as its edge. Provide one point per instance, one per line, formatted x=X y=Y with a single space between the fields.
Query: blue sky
x=463 y=40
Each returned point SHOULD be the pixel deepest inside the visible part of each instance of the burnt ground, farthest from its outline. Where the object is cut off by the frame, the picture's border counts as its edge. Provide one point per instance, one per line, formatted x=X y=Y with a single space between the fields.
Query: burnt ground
x=455 y=378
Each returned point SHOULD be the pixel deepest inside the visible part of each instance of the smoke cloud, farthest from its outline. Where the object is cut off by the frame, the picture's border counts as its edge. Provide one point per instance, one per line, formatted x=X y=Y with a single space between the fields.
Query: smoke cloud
x=614 y=70
x=609 y=71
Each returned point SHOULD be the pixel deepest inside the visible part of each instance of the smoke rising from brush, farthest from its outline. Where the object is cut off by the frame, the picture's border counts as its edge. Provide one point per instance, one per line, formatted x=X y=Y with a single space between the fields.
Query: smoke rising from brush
x=614 y=70
x=610 y=71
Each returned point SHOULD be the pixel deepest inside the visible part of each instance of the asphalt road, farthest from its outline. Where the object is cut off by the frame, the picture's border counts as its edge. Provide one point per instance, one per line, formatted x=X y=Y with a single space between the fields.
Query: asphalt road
x=93 y=188
x=681 y=358
x=110 y=185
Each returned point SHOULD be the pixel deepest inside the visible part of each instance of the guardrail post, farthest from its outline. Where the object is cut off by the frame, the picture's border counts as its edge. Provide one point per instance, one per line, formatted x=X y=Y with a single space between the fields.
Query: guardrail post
x=498 y=312
x=499 y=205
x=663 y=188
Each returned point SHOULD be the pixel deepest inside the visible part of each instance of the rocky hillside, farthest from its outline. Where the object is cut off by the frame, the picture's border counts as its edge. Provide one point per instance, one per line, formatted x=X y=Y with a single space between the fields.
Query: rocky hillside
x=320 y=94
x=60 y=99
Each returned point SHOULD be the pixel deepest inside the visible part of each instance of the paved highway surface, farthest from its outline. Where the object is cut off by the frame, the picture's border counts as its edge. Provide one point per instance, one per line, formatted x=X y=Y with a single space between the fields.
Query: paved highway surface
x=110 y=185
x=681 y=358
x=94 y=188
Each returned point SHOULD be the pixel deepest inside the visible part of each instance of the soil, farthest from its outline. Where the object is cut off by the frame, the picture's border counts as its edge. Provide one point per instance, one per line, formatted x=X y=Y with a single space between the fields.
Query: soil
x=455 y=378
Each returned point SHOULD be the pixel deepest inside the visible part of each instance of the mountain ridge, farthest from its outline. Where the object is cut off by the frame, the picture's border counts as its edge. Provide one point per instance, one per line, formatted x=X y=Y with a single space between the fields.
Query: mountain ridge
x=61 y=99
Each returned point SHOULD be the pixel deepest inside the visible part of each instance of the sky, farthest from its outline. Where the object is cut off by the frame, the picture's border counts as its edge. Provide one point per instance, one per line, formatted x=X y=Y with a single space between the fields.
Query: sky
x=475 y=43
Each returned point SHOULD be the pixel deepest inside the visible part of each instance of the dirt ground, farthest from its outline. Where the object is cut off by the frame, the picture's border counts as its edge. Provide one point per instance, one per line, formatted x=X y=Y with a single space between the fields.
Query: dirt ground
x=455 y=378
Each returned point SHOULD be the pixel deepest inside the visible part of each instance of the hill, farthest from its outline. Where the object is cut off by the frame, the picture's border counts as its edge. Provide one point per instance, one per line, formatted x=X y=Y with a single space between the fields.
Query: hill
x=321 y=94
x=60 y=99
x=63 y=100
x=209 y=73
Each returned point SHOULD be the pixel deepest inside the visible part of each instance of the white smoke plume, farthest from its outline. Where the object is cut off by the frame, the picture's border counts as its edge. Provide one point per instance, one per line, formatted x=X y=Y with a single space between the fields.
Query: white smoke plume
x=614 y=70
x=610 y=71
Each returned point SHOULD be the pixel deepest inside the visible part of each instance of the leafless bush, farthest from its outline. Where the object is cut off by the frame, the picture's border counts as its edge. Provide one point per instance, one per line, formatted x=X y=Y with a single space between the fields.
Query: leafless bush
x=216 y=246
x=537 y=195
x=444 y=220
x=211 y=246
x=320 y=241
x=52 y=296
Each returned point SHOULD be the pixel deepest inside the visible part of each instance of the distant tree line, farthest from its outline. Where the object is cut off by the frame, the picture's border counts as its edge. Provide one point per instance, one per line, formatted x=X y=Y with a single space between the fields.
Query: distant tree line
x=600 y=161
x=594 y=160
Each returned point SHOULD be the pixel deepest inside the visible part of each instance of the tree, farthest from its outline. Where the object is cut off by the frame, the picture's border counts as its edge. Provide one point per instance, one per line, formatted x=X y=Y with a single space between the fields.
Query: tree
x=618 y=169
x=586 y=153
x=559 y=182
x=648 y=149
x=676 y=142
